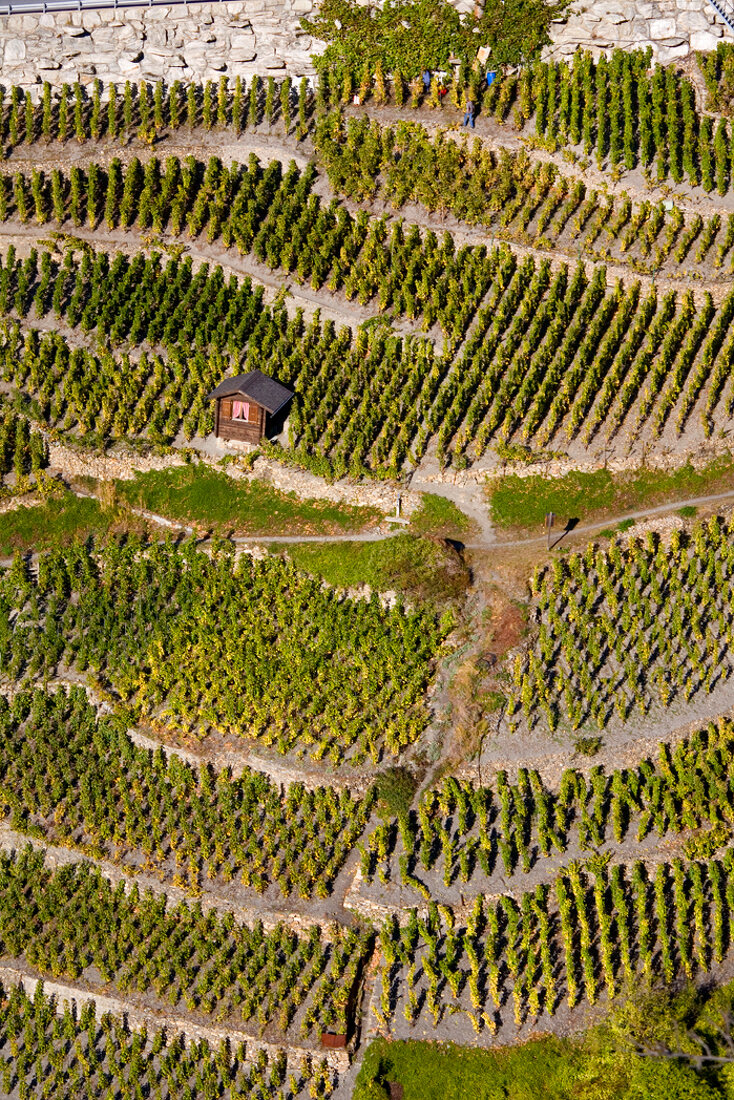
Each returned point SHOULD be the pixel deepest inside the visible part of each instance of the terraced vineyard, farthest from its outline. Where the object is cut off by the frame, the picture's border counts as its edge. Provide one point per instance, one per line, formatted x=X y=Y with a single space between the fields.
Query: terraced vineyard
x=271 y=817
x=161 y=627
x=551 y=358
x=609 y=927
x=671 y=603
x=88 y=1052
x=520 y=199
x=223 y=971
x=67 y=775
x=463 y=837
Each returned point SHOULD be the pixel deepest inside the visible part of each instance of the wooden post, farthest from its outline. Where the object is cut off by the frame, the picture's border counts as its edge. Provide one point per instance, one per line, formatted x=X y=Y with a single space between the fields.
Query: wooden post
x=549 y=518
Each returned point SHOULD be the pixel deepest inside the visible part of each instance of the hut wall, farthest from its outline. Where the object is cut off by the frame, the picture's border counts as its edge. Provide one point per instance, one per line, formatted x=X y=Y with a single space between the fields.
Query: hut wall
x=244 y=431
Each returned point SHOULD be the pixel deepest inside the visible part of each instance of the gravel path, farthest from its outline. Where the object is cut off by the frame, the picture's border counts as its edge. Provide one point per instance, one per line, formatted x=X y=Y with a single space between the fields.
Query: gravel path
x=642 y=513
x=472 y=501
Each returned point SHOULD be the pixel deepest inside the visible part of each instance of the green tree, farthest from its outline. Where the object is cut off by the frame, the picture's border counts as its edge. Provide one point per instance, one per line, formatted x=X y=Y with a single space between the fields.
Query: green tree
x=128 y=108
x=253 y=111
x=192 y=110
x=223 y=103
x=207 y=107
x=285 y=103
x=47 y=112
x=159 y=120
x=270 y=101
x=80 y=130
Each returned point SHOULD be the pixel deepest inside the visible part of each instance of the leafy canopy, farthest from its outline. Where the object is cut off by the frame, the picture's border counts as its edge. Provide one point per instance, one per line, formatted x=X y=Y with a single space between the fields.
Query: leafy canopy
x=410 y=35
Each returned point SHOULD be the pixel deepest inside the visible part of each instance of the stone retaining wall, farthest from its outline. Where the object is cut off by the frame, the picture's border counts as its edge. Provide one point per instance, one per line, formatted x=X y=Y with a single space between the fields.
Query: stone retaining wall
x=672 y=28
x=196 y=42
x=187 y=42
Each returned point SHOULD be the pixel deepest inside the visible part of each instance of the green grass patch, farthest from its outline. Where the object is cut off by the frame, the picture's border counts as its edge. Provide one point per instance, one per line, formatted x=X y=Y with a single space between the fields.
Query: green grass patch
x=57 y=523
x=441 y=517
x=396 y=789
x=199 y=495
x=523 y=502
x=420 y=569
x=554 y=1069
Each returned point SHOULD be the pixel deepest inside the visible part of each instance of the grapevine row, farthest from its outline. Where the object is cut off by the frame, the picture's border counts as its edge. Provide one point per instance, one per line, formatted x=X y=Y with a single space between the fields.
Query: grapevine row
x=263 y=211
x=654 y=618
x=65 y=1051
x=517 y=199
x=471 y=833
x=550 y=357
x=622 y=109
x=80 y=780
x=66 y=921
x=594 y=931
x=252 y=648
x=116 y=113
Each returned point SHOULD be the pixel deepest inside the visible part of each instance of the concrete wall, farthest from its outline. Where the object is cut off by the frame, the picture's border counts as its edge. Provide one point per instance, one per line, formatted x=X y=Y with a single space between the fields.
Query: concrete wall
x=673 y=28
x=183 y=41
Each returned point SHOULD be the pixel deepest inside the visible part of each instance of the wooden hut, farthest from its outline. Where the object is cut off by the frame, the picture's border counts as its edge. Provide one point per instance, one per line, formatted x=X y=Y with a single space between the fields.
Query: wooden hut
x=249 y=406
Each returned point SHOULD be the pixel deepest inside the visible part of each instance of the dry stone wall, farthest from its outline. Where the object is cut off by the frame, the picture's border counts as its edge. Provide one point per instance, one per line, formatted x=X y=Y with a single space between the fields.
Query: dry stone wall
x=195 y=42
x=187 y=42
x=672 y=28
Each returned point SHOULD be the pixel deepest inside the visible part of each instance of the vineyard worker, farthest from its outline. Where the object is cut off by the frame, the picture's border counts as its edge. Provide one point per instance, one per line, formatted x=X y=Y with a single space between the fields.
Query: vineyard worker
x=469 y=116
x=427 y=80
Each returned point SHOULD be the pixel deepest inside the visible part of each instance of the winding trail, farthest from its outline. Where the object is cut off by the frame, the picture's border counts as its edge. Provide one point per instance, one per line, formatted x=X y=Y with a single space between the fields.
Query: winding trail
x=461 y=496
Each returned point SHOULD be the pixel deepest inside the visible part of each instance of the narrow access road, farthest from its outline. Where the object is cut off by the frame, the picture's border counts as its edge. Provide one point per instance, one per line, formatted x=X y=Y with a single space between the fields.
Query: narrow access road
x=498 y=544
x=362 y=536
x=487 y=543
x=644 y=513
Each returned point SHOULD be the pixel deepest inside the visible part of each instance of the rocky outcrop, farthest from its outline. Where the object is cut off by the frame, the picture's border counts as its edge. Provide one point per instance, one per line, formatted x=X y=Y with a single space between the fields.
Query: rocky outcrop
x=672 y=28
x=187 y=42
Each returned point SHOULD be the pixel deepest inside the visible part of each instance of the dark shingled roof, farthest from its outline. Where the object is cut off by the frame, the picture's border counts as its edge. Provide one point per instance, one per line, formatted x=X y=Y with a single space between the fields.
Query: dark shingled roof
x=258 y=387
